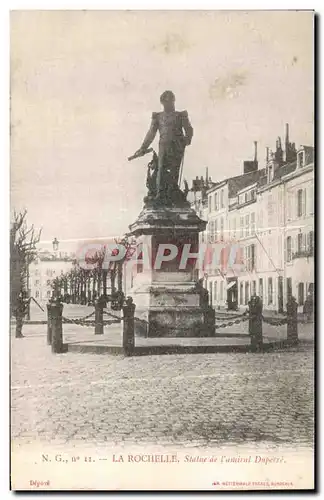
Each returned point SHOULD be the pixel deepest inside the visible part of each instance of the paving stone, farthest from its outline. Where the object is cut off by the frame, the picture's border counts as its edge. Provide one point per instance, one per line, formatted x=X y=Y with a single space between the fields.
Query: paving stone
x=201 y=398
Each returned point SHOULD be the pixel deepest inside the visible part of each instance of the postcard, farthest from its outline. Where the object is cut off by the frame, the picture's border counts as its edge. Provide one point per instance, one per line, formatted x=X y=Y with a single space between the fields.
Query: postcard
x=162 y=250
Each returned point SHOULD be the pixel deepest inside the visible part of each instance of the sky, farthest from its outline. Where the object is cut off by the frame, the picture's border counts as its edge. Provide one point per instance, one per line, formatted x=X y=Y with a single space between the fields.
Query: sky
x=84 y=85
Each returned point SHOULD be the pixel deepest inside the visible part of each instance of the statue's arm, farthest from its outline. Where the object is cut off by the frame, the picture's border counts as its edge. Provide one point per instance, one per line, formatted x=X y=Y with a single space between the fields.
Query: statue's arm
x=187 y=127
x=149 y=138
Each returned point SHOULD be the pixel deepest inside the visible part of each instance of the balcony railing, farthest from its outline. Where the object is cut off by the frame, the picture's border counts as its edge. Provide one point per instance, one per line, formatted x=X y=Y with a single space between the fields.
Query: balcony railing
x=303 y=254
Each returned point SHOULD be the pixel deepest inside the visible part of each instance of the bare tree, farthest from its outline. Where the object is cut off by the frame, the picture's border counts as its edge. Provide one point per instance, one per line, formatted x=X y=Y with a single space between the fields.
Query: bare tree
x=23 y=242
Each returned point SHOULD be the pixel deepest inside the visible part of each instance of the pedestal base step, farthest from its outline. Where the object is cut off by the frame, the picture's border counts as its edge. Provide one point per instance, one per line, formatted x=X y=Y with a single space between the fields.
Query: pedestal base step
x=174 y=322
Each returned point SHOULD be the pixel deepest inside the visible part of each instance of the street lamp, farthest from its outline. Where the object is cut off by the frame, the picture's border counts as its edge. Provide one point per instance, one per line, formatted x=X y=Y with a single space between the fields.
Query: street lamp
x=55 y=244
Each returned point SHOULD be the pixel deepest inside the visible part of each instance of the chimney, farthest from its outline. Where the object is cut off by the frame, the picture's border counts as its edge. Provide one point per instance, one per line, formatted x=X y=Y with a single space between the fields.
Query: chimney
x=255 y=151
x=206 y=175
x=290 y=147
x=251 y=166
x=287 y=135
x=279 y=152
x=267 y=154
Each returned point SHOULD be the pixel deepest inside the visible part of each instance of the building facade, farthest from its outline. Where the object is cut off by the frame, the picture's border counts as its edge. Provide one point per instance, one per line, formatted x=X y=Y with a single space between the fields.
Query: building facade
x=268 y=214
x=44 y=269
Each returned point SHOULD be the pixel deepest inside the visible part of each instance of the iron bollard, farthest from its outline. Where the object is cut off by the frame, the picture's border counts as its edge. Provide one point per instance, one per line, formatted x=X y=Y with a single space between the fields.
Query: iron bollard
x=255 y=322
x=57 y=329
x=292 y=325
x=49 y=323
x=128 y=327
x=209 y=321
x=19 y=325
x=99 y=307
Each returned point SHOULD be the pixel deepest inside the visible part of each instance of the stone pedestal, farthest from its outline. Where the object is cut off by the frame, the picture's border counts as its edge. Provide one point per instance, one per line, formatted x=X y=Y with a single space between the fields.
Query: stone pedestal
x=168 y=300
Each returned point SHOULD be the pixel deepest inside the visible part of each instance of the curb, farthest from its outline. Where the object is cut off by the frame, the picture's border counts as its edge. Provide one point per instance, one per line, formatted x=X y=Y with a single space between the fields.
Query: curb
x=178 y=349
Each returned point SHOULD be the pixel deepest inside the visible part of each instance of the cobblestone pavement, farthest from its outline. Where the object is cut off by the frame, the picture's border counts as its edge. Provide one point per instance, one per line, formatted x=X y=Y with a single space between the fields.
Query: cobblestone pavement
x=201 y=399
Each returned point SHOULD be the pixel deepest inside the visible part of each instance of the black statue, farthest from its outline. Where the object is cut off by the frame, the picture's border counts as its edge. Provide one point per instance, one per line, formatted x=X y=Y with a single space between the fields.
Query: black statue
x=175 y=134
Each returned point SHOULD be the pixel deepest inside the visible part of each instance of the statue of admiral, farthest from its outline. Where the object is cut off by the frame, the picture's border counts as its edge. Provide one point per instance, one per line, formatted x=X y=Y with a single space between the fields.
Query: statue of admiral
x=175 y=134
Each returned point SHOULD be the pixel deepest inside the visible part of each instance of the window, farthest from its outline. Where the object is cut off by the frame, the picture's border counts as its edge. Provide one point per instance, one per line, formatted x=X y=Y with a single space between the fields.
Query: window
x=48 y=293
x=215 y=202
x=48 y=282
x=234 y=228
x=289 y=206
x=270 y=173
x=209 y=204
x=215 y=291
x=216 y=230
x=301 y=297
x=301 y=202
x=301 y=161
x=270 y=291
x=241 y=227
x=310 y=198
x=210 y=293
x=222 y=229
x=49 y=272
x=253 y=194
x=37 y=294
x=221 y=291
x=253 y=223
x=247 y=257
x=247 y=225
x=310 y=242
x=211 y=231
x=222 y=198
x=252 y=257
x=37 y=283
x=246 y=293
x=261 y=287
x=36 y=272
x=289 y=249
x=271 y=206
x=300 y=241
x=253 y=287
x=289 y=288
x=241 y=294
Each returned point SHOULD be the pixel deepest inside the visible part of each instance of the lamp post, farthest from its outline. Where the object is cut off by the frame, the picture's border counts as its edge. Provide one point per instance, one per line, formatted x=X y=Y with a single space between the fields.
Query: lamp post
x=28 y=292
x=56 y=294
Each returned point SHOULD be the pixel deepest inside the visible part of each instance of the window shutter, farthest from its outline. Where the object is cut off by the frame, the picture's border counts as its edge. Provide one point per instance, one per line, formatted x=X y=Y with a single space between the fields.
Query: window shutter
x=293 y=244
x=308 y=242
x=304 y=201
x=289 y=207
x=300 y=202
x=310 y=200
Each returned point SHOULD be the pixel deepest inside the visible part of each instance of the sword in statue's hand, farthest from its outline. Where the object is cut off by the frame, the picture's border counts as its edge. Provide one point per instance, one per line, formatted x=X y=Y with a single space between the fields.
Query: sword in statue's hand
x=140 y=153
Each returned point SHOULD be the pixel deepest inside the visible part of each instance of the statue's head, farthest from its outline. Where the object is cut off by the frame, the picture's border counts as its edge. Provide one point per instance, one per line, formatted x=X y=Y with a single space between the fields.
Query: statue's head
x=167 y=100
